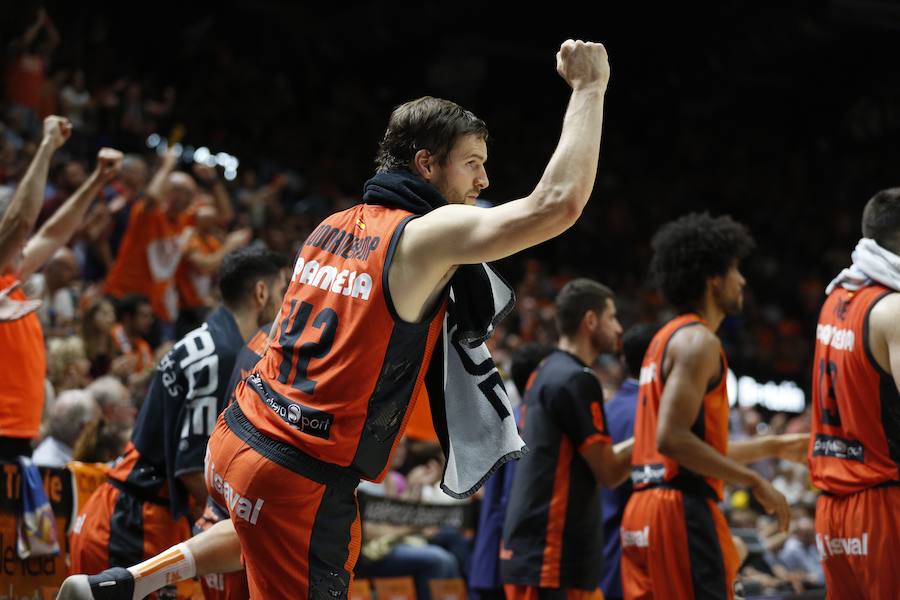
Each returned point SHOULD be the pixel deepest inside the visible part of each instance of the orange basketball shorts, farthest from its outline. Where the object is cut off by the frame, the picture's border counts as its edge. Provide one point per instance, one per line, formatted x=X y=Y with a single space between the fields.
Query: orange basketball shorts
x=676 y=545
x=297 y=518
x=858 y=538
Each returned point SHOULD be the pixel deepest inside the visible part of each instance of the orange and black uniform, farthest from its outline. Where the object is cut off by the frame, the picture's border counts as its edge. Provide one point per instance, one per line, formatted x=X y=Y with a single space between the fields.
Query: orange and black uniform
x=324 y=407
x=143 y=508
x=21 y=378
x=552 y=536
x=855 y=452
x=675 y=540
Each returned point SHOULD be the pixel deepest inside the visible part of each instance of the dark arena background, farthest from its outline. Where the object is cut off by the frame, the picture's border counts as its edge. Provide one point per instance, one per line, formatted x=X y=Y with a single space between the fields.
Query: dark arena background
x=785 y=116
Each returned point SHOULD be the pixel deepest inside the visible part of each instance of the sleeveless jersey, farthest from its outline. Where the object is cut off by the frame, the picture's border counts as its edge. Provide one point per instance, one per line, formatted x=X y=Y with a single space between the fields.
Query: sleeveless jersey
x=343 y=370
x=856 y=406
x=651 y=468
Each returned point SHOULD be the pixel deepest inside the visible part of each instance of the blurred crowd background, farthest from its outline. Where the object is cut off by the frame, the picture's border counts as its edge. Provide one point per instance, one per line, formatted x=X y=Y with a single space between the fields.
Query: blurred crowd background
x=786 y=118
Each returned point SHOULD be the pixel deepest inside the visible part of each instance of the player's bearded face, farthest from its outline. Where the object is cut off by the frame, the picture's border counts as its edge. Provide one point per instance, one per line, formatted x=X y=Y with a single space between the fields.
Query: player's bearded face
x=607 y=335
x=277 y=288
x=462 y=176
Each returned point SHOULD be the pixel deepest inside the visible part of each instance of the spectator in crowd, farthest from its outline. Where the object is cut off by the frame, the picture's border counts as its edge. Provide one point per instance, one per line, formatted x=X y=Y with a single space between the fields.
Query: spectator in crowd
x=21 y=337
x=116 y=406
x=205 y=251
x=25 y=76
x=70 y=413
x=134 y=318
x=108 y=221
x=69 y=176
x=96 y=330
x=67 y=365
x=75 y=101
x=158 y=231
x=158 y=235
x=800 y=556
x=56 y=287
x=99 y=442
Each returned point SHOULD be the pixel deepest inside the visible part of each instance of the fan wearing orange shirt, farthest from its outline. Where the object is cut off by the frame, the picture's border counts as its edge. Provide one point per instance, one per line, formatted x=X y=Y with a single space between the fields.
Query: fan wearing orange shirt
x=21 y=338
x=205 y=251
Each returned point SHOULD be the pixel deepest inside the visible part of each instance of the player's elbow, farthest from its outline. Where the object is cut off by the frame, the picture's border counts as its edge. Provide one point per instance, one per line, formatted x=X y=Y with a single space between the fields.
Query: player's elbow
x=561 y=204
x=667 y=440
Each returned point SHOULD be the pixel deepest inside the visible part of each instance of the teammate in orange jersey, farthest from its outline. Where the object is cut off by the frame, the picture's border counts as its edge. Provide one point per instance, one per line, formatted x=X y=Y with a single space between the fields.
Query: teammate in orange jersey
x=675 y=541
x=854 y=455
x=330 y=398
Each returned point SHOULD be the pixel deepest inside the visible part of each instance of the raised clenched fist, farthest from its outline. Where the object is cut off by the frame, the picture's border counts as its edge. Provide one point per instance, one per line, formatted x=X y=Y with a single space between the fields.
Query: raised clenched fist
x=583 y=64
x=57 y=130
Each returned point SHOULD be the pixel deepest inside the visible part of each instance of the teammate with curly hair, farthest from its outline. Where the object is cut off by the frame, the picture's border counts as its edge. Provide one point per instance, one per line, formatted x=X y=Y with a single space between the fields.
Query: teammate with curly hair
x=675 y=541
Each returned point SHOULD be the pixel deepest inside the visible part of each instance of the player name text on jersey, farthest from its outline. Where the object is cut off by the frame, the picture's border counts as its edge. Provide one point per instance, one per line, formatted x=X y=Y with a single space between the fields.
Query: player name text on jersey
x=326 y=277
x=839 y=339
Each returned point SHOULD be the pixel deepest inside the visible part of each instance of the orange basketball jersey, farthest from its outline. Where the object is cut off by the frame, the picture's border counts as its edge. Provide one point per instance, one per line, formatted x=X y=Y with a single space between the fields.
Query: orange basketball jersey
x=343 y=370
x=856 y=406
x=649 y=467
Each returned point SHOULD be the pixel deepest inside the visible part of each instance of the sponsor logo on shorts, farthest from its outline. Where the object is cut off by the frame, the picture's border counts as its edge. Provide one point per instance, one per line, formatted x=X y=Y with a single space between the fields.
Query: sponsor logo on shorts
x=835 y=447
x=851 y=546
x=644 y=474
x=639 y=538
x=238 y=505
x=310 y=421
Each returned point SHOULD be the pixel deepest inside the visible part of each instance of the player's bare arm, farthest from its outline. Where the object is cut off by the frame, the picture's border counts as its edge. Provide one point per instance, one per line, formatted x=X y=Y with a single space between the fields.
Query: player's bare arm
x=789 y=446
x=610 y=464
x=694 y=357
x=461 y=234
x=884 y=335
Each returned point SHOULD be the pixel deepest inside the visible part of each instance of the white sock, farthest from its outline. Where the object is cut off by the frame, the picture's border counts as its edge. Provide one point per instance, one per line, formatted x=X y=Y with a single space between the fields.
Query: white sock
x=174 y=565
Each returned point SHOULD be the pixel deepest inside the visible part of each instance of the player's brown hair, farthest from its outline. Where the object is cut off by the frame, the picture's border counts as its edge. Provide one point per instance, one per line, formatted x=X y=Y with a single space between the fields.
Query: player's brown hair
x=575 y=299
x=426 y=123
